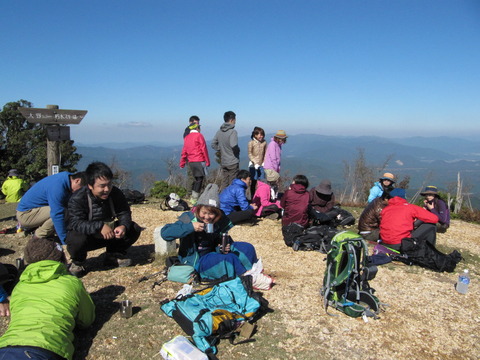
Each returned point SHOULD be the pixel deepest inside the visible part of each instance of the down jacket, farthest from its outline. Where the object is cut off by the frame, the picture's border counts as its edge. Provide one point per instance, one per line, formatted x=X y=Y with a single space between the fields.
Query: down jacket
x=370 y=218
x=46 y=305
x=78 y=211
x=233 y=196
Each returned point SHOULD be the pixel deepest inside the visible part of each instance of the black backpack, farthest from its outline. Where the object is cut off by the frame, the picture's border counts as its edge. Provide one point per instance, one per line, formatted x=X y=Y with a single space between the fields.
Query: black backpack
x=317 y=238
x=133 y=196
x=175 y=203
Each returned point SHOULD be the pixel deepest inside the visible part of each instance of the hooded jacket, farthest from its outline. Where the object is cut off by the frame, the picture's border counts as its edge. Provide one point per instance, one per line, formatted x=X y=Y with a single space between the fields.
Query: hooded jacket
x=13 y=188
x=233 y=196
x=194 y=149
x=46 y=305
x=263 y=197
x=295 y=204
x=397 y=220
x=226 y=141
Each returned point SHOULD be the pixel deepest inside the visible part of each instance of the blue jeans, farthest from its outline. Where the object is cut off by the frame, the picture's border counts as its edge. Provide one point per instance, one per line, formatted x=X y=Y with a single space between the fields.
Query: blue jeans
x=27 y=353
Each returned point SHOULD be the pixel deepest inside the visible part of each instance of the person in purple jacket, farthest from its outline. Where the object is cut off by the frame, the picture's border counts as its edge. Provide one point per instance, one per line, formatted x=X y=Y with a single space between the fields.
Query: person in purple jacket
x=273 y=155
x=434 y=203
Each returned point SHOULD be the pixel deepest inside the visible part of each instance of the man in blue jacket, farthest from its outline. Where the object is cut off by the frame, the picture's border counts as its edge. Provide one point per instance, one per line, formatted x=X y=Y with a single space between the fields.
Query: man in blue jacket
x=43 y=206
x=233 y=200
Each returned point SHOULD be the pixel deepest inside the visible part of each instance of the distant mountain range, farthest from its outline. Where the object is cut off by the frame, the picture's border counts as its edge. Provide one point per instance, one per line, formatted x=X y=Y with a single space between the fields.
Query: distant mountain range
x=436 y=160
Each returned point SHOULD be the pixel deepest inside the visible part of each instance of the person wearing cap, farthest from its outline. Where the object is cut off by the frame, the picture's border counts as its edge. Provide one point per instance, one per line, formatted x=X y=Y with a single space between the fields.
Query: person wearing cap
x=14 y=187
x=200 y=247
x=273 y=155
x=195 y=154
x=233 y=201
x=46 y=305
x=295 y=202
x=43 y=205
x=194 y=119
x=397 y=221
x=225 y=142
x=266 y=196
x=322 y=202
x=435 y=204
x=385 y=183
x=99 y=216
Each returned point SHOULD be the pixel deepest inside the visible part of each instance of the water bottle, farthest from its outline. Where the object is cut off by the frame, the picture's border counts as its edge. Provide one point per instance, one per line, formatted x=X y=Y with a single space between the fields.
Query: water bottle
x=463 y=281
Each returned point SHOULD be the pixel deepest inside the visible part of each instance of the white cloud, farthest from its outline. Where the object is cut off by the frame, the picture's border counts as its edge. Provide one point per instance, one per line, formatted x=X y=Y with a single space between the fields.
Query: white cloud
x=135 y=124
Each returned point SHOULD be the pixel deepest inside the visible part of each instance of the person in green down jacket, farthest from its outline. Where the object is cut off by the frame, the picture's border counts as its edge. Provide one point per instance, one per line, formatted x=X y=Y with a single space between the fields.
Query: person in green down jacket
x=45 y=306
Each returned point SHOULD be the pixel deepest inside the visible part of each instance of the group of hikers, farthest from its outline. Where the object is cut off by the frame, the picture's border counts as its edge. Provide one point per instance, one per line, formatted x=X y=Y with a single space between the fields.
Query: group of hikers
x=85 y=211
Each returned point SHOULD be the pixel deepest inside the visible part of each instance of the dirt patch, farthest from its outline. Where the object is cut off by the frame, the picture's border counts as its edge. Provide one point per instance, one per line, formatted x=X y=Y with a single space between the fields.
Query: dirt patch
x=425 y=317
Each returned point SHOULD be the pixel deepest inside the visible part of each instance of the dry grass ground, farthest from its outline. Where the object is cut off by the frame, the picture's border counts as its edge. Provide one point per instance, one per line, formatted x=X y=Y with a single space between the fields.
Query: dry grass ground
x=426 y=318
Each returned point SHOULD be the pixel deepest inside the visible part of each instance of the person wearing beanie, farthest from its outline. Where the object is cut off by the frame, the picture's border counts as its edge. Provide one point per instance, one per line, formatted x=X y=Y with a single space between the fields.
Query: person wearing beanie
x=266 y=196
x=397 y=221
x=435 y=204
x=99 y=216
x=385 y=183
x=46 y=305
x=233 y=201
x=273 y=155
x=195 y=155
x=225 y=142
x=200 y=235
x=14 y=187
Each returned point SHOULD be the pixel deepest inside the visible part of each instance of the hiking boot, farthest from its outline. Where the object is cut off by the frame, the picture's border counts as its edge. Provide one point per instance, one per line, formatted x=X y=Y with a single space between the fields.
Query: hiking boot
x=116 y=260
x=273 y=216
x=262 y=281
x=77 y=270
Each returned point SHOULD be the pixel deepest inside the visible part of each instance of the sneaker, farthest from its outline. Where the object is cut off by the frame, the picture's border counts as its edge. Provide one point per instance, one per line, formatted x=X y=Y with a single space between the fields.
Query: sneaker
x=116 y=260
x=262 y=281
x=77 y=270
x=273 y=216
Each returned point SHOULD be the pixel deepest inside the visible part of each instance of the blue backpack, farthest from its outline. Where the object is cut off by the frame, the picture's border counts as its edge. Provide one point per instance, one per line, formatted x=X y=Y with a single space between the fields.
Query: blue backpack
x=217 y=312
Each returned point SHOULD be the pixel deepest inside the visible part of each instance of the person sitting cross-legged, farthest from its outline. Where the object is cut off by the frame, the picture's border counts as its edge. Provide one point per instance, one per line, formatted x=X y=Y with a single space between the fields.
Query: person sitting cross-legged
x=99 y=216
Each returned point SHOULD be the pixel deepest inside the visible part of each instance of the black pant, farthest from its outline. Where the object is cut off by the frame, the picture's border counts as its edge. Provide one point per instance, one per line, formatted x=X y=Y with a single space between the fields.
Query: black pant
x=79 y=244
x=240 y=216
x=427 y=232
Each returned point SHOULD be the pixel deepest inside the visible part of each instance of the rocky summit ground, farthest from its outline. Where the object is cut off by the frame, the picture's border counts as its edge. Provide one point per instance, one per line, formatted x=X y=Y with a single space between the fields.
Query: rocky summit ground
x=425 y=317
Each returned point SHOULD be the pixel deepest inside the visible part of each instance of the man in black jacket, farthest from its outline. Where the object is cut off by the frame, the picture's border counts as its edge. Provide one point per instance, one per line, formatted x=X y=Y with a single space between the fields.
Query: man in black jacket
x=99 y=216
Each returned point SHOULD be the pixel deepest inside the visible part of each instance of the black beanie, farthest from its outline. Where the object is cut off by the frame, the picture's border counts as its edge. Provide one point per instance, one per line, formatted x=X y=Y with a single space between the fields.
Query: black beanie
x=39 y=249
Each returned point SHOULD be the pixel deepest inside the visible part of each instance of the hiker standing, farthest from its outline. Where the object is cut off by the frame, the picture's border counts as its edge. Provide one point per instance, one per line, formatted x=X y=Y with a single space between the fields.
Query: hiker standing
x=256 y=154
x=195 y=154
x=273 y=155
x=194 y=119
x=225 y=141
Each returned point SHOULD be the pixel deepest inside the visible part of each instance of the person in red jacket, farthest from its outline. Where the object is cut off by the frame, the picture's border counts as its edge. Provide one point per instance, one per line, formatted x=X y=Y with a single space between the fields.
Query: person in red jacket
x=397 y=221
x=195 y=152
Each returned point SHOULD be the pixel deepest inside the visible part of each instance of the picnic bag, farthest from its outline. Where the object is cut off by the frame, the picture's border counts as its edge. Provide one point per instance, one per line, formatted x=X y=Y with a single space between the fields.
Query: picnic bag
x=345 y=284
x=216 y=312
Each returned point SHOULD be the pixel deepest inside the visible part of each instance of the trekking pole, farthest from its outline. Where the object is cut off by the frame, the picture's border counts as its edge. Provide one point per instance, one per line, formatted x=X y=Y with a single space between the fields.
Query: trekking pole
x=146 y=277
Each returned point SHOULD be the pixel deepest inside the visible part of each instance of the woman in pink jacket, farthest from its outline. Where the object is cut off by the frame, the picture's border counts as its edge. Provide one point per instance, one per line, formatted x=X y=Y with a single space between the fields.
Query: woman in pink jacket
x=265 y=197
x=196 y=154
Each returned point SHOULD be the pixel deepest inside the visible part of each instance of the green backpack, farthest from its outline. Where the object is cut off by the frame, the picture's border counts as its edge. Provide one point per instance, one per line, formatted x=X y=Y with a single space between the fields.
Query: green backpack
x=345 y=285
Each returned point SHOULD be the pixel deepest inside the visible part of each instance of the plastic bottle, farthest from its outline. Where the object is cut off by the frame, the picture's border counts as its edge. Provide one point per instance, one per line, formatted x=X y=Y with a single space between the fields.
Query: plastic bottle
x=463 y=281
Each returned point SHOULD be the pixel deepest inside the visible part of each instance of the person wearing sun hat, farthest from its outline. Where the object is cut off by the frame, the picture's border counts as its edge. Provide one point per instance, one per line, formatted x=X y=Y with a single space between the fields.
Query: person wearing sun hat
x=435 y=204
x=322 y=202
x=46 y=305
x=273 y=155
x=385 y=183
x=200 y=245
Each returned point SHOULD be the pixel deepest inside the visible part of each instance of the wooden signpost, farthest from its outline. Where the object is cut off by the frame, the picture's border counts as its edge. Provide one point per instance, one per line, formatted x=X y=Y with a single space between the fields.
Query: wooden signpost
x=54 y=118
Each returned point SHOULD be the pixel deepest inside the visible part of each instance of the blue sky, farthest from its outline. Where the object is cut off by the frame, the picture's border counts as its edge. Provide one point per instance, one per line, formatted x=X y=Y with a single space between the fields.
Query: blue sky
x=141 y=68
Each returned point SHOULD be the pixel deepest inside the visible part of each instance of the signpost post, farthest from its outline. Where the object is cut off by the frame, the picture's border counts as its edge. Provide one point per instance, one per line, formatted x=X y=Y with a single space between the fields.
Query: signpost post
x=54 y=118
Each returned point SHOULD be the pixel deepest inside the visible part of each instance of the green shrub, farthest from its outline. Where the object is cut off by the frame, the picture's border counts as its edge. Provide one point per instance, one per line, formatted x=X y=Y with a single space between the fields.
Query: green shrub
x=161 y=189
